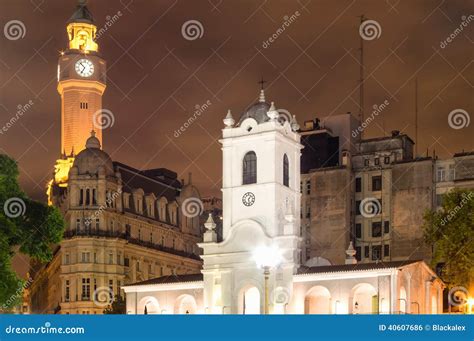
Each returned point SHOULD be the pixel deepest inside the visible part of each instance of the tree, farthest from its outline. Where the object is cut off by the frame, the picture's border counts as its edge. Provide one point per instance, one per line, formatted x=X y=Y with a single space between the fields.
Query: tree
x=25 y=225
x=451 y=231
x=118 y=306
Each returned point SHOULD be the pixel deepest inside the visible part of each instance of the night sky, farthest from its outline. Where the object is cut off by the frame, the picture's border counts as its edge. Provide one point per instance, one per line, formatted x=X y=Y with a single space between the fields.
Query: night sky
x=156 y=77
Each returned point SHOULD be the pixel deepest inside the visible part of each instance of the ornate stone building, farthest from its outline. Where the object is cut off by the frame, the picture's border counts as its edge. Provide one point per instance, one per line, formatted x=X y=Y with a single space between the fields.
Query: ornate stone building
x=123 y=225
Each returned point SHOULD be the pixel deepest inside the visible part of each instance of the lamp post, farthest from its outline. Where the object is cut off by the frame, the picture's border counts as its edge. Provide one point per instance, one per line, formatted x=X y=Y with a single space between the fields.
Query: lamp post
x=266 y=259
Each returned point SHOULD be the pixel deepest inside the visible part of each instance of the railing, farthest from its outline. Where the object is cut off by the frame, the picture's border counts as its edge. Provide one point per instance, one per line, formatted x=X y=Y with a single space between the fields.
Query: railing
x=125 y=236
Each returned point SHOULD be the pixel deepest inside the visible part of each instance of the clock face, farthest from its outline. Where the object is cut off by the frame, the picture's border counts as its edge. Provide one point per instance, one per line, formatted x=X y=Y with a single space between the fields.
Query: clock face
x=84 y=68
x=248 y=199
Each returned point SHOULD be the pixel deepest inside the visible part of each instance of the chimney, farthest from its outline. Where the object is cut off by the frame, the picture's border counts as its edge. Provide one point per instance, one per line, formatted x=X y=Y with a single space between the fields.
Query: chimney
x=395 y=133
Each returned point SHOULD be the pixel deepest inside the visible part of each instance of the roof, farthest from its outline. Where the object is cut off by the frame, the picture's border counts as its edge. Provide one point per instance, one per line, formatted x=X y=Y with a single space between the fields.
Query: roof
x=257 y=111
x=461 y=154
x=149 y=180
x=386 y=138
x=170 y=279
x=81 y=14
x=355 y=267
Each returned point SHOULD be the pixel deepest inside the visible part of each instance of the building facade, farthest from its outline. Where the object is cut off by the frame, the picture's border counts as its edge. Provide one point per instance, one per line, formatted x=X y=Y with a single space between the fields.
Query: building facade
x=256 y=267
x=373 y=192
x=123 y=225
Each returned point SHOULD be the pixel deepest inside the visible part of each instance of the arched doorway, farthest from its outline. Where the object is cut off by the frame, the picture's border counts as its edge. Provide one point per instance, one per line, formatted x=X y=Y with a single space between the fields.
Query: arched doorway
x=364 y=299
x=185 y=304
x=148 y=305
x=317 y=301
x=403 y=300
x=249 y=300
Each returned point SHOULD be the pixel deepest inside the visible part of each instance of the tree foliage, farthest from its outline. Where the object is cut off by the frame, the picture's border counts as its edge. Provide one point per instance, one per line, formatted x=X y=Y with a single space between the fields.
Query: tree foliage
x=25 y=225
x=451 y=231
x=118 y=306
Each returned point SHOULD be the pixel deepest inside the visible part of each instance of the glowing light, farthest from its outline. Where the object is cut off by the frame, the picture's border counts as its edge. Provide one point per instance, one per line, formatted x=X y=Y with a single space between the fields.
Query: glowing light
x=81 y=37
x=267 y=257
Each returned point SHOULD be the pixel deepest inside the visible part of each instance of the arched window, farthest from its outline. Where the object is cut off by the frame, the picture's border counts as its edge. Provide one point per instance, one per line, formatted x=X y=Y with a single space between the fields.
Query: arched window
x=286 y=171
x=249 y=168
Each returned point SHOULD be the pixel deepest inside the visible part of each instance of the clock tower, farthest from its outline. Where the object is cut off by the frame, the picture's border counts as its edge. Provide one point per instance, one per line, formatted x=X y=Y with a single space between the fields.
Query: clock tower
x=261 y=213
x=81 y=84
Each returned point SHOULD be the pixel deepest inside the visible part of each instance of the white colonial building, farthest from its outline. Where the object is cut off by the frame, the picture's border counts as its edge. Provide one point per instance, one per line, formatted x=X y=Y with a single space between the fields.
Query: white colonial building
x=256 y=267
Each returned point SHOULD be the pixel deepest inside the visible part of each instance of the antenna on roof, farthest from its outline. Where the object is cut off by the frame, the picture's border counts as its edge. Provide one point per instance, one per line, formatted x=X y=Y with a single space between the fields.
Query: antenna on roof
x=416 y=117
x=361 y=76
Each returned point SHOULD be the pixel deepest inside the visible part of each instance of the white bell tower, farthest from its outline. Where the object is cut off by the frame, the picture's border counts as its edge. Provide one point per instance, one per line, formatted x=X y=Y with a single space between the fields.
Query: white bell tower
x=261 y=211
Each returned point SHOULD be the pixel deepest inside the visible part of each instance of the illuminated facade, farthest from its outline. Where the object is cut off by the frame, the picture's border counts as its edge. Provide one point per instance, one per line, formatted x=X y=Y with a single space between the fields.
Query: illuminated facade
x=256 y=266
x=123 y=225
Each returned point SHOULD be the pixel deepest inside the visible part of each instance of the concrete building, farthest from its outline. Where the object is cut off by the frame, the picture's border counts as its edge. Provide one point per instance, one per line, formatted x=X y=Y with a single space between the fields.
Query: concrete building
x=256 y=267
x=373 y=192
x=123 y=225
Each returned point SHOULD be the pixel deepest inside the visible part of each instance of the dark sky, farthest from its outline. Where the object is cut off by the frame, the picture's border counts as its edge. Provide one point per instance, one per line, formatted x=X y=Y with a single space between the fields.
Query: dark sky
x=157 y=77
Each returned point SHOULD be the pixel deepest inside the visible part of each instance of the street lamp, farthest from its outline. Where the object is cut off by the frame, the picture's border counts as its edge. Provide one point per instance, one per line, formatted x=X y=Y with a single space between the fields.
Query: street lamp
x=266 y=259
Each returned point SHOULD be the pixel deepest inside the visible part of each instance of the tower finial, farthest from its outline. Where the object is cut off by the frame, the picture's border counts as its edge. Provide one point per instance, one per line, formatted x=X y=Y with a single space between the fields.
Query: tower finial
x=229 y=120
x=262 y=82
x=262 y=93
